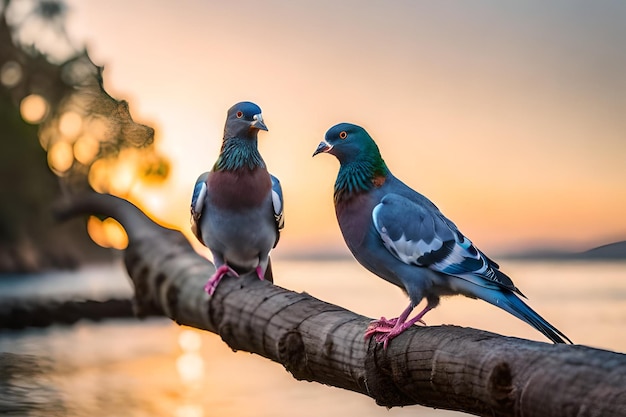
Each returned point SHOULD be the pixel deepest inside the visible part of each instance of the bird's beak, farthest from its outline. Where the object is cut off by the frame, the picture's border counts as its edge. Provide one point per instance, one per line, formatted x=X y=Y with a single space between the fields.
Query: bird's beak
x=258 y=122
x=322 y=147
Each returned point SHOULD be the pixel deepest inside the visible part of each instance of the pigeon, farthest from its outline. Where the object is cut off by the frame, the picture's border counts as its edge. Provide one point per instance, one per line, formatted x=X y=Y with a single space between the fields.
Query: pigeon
x=237 y=207
x=401 y=236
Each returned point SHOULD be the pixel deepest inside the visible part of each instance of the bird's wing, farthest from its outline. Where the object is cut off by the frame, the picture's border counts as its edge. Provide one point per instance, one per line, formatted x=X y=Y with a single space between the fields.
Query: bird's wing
x=197 y=203
x=421 y=236
x=277 y=204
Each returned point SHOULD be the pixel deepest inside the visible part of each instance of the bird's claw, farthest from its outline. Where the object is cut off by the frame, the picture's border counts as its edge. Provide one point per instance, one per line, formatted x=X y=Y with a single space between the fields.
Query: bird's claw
x=382 y=334
x=379 y=326
x=384 y=322
x=259 y=273
x=215 y=279
x=383 y=330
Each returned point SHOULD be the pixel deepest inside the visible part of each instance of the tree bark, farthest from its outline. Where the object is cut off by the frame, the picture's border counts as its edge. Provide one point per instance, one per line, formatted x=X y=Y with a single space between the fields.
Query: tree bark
x=448 y=367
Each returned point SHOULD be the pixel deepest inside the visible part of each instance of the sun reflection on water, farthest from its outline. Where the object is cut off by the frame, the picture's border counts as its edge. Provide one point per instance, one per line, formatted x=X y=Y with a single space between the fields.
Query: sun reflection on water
x=189 y=410
x=190 y=365
x=190 y=368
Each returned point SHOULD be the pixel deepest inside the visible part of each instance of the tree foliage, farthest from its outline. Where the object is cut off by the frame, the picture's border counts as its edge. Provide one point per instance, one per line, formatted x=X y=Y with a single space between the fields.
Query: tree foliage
x=61 y=133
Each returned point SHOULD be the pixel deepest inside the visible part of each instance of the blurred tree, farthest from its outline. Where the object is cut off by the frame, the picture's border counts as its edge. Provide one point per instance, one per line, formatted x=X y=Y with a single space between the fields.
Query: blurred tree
x=60 y=132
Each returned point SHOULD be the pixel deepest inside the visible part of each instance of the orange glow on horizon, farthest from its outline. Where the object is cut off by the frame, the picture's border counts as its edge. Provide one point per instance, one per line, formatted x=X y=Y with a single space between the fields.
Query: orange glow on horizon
x=524 y=148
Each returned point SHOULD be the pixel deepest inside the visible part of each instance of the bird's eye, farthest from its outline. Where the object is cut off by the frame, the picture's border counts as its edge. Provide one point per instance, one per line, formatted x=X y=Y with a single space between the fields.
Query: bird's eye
x=343 y=134
x=239 y=114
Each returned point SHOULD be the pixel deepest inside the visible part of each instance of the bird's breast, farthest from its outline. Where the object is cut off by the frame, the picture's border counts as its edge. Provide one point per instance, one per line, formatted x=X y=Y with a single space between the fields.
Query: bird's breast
x=239 y=189
x=354 y=216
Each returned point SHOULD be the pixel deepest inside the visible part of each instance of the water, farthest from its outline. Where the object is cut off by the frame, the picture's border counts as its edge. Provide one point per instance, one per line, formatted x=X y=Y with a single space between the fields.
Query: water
x=156 y=368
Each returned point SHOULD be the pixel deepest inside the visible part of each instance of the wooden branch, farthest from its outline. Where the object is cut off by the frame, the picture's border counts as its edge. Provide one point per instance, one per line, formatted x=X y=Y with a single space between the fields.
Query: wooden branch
x=446 y=367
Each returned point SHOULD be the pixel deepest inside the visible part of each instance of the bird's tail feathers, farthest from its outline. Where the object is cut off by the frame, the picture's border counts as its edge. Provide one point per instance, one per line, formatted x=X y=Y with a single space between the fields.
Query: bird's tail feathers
x=514 y=305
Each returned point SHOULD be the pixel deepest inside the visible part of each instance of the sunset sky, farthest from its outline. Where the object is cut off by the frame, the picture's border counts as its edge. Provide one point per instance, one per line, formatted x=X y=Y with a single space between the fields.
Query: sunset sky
x=510 y=116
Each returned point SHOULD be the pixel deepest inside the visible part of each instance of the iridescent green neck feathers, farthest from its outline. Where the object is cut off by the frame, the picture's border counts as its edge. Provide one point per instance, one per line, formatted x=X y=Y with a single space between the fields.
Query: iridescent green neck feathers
x=239 y=153
x=360 y=176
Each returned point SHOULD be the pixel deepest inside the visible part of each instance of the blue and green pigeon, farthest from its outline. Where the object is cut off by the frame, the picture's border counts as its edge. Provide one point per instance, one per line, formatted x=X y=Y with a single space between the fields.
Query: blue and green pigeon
x=401 y=236
x=237 y=207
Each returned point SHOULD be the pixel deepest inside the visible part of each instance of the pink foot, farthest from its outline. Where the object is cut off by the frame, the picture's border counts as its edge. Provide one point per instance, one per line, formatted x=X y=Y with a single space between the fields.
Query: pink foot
x=380 y=325
x=384 y=330
x=384 y=322
x=259 y=273
x=386 y=335
x=223 y=270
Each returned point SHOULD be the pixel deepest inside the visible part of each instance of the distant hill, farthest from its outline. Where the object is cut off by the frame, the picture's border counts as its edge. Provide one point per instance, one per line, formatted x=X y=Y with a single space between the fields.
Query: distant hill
x=612 y=251
x=615 y=250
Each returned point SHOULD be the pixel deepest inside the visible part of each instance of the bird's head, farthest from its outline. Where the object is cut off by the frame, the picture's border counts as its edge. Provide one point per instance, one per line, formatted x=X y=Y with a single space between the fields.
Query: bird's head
x=349 y=143
x=244 y=120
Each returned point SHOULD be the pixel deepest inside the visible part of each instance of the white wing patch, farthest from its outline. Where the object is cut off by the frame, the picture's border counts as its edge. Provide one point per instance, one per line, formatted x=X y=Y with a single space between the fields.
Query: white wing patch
x=457 y=256
x=423 y=237
x=198 y=196
x=408 y=251
x=278 y=210
x=277 y=203
x=198 y=202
